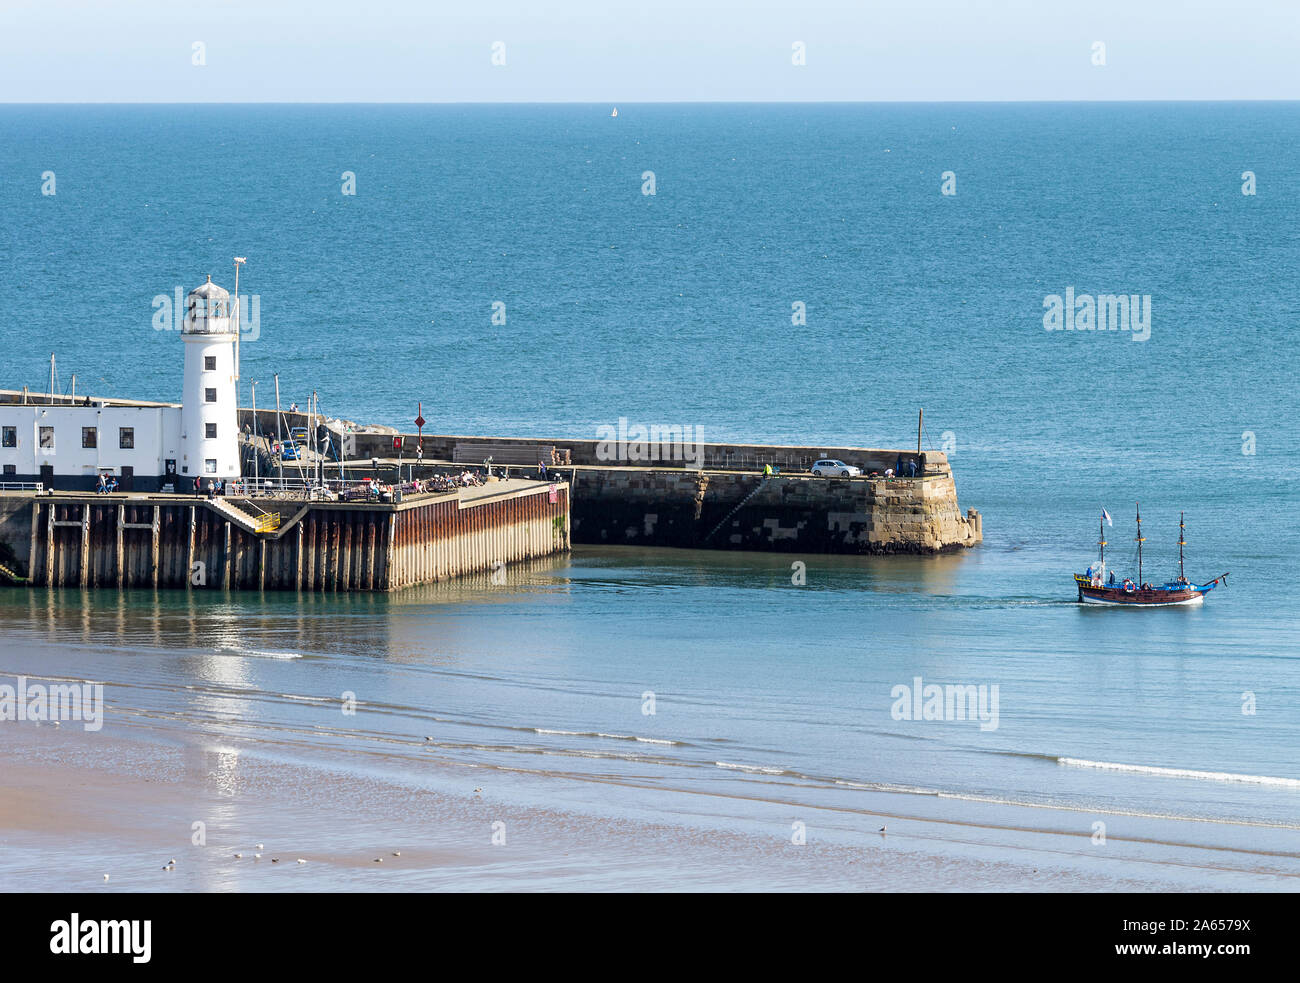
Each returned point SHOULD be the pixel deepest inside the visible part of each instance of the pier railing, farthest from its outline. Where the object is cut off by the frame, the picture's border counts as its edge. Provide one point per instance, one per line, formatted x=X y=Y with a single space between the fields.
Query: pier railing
x=294 y=488
x=337 y=489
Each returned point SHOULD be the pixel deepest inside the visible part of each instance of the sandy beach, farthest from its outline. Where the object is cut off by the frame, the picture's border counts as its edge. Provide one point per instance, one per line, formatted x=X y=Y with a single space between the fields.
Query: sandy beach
x=76 y=806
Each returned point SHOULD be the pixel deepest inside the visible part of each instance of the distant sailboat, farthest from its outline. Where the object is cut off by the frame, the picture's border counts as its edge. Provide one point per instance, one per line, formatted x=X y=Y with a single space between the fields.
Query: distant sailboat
x=615 y=112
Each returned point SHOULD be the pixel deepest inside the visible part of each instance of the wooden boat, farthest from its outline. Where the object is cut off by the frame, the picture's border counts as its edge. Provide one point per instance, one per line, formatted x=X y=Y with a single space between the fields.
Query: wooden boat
x=1095 y=588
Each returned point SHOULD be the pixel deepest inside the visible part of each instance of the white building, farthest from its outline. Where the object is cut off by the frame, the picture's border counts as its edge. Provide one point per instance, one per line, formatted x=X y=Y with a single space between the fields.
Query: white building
x=67 y=444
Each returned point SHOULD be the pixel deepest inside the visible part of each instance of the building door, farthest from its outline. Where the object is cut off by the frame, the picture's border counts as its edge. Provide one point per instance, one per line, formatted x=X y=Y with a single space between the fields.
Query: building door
x=128 y=479
x=47 y=475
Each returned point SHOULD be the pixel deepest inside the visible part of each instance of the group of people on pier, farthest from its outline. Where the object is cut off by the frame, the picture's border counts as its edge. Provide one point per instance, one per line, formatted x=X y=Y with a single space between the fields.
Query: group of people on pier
x=372 y=489
x=449 y=482
x=216 y=486
x=901 y=468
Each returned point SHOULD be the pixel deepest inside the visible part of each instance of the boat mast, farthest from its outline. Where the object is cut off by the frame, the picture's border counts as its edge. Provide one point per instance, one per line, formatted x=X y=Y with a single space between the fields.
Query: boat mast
x=1101 y=539
x=1140 y=541
x=1182 y=537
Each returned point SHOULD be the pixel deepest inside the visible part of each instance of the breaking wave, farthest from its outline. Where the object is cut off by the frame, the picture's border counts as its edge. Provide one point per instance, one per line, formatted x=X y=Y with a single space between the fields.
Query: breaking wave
x=1210 y=776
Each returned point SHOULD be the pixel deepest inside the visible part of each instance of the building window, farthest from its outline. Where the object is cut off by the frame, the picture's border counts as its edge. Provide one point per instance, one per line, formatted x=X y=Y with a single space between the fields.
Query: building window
x=209 y=363
x=89 y=437
x=11 y=469
x=47 y=438
x=209 y=395
x=210 y=431
x=126 y=438
x=210 y=466
x=9 y=437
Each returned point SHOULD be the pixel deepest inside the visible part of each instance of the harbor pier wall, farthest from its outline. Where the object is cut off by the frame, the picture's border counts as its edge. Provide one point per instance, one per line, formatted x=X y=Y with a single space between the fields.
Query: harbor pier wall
x=727 y=503
x=718 y=498
x=786 y=513
x=746 y=510
x=170 y=541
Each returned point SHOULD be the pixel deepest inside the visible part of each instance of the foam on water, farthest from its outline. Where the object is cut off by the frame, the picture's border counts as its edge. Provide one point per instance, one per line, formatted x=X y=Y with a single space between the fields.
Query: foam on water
x=1208 y=776
x=754 y=769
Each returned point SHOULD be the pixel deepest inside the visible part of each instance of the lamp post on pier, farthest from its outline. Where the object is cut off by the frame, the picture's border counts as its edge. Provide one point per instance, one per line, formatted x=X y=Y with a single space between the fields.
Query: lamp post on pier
x=419 y=440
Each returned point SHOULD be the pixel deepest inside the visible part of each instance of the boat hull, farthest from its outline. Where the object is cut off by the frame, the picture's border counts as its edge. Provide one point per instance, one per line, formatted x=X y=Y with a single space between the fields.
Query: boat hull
x=1158 y=597
x=1129 y=601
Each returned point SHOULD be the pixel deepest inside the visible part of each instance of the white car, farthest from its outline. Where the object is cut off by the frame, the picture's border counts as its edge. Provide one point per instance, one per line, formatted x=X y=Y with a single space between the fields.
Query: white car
x=829 y=468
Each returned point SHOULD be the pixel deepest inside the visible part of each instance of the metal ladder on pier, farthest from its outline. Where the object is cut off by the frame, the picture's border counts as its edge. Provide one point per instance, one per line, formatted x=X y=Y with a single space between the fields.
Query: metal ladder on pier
x=739 y=505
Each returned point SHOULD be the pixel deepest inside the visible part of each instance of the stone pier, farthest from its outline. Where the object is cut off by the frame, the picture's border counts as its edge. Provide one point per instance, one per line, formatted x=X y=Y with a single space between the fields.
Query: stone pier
x=786 y=513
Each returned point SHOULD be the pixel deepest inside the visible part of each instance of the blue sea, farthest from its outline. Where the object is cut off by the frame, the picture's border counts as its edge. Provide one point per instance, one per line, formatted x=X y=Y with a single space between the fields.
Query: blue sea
x=694 y=707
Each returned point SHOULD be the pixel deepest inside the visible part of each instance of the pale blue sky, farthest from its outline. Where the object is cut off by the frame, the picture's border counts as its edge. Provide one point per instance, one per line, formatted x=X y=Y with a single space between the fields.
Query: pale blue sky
x=657 y=50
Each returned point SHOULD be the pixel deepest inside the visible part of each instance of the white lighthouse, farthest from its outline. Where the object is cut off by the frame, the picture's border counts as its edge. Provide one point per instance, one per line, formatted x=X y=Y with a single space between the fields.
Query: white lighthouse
x=209 y=443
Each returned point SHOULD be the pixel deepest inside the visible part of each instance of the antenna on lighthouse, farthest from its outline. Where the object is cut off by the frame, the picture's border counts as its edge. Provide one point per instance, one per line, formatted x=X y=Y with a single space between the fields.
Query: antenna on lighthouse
x=239 y=261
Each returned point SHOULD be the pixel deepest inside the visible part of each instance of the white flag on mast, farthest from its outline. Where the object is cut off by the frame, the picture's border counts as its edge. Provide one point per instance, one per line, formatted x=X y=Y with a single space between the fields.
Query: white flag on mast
x=1106 y=515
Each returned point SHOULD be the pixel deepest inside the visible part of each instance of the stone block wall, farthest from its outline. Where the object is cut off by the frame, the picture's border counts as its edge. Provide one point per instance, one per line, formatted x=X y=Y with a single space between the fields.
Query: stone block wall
x=718 y=510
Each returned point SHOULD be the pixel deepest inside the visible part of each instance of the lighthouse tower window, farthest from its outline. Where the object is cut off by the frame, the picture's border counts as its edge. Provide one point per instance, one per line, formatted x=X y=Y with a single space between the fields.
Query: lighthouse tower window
x=210 y=466
x=126 y=437
x=210 y=431
x=9 y=437
x=88 y=437
x=11 y=469
x=209 y=395
x=209 y=363
x=47 y=438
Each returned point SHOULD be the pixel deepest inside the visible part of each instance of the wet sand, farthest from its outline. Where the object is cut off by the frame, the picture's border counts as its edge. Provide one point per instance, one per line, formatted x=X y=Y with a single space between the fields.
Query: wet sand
x=76 y=806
